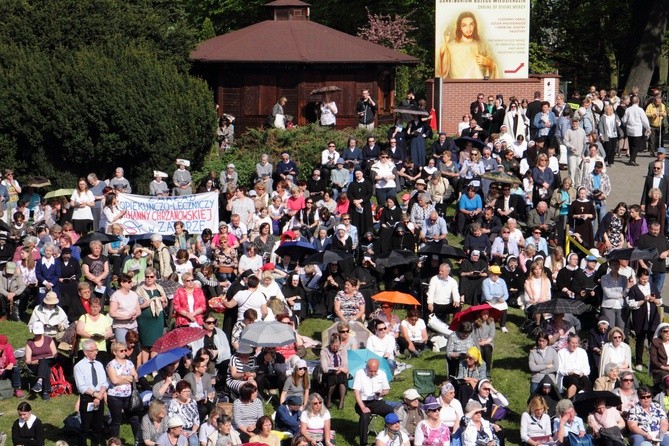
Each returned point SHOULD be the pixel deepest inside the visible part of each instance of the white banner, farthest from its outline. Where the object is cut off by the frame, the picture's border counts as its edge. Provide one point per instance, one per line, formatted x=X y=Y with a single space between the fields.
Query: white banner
x=477 y=39
x=156 y=215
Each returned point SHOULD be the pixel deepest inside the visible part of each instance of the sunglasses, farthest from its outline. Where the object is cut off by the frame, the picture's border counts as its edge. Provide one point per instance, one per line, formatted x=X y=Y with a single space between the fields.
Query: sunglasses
x=381 y=328
x=344 y=331
x=486 y=388
x=188 y=280
x=149 y=277
x=645 y=397
x=122 y=350
x=627 y=380
x=210 y=322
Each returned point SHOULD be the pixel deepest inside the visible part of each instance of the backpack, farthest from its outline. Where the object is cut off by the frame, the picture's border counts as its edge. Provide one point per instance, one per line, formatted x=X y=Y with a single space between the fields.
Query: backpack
x=59 y=385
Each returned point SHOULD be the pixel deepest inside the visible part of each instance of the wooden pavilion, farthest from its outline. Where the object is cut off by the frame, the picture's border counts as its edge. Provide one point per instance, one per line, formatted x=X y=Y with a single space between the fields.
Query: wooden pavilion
x=251 y=68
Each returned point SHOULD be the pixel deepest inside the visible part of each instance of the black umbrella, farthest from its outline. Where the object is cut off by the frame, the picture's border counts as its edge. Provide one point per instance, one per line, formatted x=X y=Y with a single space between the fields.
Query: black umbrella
x=633 y=254
x=295 y=249
x=96 y=236
x=327 y=257
x=561 y=306
x=394 y=258
x=412 y=110
x=443 y=250
x=145 y=240
x=584 y=403
x=461 y=142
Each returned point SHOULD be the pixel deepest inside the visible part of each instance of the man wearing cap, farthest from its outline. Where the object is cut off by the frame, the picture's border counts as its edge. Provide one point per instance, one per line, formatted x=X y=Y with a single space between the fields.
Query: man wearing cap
x=442 y=293
x=51 y=315
x=286 y=167
x=409 y=412
x=91 y=381
x=288 y=415
x=11 y=287
x=394 y=433
x=370 y=385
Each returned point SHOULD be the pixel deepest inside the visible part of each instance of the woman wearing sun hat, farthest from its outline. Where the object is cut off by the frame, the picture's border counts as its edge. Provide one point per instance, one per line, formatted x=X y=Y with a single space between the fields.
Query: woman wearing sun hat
x=478 y=431
x=432 y=431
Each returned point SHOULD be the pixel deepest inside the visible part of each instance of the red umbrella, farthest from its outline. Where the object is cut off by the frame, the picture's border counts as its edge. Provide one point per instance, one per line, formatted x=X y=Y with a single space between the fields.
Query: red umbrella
x=178 y=337
x=433 y=119
x=472 y=313
x=395 y=297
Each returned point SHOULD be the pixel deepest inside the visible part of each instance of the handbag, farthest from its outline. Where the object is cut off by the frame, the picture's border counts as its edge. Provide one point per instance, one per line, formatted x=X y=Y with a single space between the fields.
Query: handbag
x=136 y=403
x=575 y=440
x=498 y=413
x=613 y=435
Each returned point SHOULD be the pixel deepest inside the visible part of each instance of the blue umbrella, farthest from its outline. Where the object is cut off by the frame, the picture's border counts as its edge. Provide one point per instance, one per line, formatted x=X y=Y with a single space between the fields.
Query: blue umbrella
x=161 y=360
x=296 y=250
x=357 y=359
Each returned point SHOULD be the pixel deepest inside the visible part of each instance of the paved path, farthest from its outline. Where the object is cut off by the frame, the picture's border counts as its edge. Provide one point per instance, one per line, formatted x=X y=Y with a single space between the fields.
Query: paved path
x=626 y=185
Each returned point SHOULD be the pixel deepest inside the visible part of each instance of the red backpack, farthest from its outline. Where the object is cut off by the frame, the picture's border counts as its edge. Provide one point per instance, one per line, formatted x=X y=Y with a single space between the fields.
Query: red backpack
x=59 y=385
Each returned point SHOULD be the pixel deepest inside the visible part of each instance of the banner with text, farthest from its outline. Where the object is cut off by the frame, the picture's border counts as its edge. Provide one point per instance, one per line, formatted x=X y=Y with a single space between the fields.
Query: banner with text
x=156 y=215
x=478 y=39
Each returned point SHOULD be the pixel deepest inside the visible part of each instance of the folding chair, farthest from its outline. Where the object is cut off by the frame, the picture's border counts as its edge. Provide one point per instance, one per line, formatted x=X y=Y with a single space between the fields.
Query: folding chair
x=423 y=381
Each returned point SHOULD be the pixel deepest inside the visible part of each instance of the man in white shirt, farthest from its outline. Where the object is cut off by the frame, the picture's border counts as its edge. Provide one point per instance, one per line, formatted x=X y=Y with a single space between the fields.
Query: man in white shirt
x=369 y=388
x=573 y=367
x=442 y=293
x=636 y=126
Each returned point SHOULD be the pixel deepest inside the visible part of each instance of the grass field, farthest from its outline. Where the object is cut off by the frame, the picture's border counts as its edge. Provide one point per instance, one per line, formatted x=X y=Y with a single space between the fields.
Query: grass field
x=509 y=373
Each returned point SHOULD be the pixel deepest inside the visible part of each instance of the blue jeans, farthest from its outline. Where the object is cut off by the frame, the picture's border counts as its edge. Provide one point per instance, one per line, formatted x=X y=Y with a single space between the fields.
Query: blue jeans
x=657 y=279
x=383 y=194
x=638 y=440
x=14 y=374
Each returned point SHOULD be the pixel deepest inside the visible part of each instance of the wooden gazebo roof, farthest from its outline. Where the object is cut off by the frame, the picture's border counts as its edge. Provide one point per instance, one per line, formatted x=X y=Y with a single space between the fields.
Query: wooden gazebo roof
x=295 y=41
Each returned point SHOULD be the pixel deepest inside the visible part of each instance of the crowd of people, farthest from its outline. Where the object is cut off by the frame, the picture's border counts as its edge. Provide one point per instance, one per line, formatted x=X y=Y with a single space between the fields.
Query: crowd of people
x=521 y=178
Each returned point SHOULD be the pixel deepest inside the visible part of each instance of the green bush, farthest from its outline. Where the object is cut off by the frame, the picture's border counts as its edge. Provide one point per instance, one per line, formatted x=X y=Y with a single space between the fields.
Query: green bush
x=305 y=145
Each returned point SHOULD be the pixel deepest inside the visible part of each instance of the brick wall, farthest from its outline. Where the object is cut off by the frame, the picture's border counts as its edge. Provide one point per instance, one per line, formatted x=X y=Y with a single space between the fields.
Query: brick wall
x=457 y=95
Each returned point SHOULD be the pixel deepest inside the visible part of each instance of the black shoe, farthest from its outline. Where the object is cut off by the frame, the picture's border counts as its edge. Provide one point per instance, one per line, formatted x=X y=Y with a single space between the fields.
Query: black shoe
x=37 y=388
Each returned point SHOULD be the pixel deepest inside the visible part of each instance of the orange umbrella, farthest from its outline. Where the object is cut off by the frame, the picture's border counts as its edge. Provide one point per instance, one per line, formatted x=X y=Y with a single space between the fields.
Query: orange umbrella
x=395 y=297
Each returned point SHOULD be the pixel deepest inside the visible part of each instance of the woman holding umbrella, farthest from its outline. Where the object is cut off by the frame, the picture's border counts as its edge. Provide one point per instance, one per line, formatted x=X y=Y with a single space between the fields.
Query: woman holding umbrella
x=604 y=417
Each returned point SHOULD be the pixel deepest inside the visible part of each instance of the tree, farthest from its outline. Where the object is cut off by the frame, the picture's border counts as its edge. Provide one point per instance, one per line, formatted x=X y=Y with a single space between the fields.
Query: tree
x=650 y=45
x=88 y=86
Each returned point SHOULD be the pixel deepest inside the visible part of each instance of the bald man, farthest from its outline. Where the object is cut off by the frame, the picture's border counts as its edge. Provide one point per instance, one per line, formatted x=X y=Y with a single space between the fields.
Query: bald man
x=369 y=387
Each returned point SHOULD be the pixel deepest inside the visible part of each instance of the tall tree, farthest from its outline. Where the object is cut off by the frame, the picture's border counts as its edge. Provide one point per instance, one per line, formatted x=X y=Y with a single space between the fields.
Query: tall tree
x=650 y=45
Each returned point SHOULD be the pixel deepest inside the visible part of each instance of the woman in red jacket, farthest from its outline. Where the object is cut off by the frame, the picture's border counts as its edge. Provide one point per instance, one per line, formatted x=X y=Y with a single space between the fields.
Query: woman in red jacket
x=189 y=303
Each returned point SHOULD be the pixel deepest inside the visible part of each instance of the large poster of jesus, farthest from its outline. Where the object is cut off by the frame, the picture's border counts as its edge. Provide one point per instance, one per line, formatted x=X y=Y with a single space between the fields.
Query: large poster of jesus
x=482 y=39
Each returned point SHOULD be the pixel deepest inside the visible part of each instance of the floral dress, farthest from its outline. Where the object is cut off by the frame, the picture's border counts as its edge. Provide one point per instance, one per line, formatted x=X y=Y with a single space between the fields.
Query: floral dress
x=615 y=233
x=428 y=436
x=349 y=305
